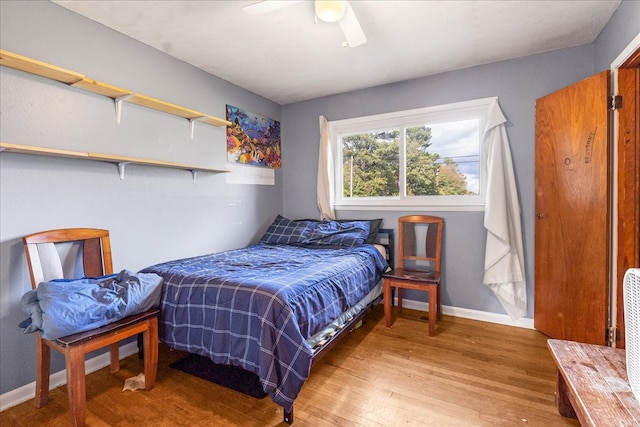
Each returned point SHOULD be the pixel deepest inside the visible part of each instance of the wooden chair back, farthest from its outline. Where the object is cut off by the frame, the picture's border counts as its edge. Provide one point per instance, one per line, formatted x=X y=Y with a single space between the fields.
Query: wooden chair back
x=420 y=242
x=44 y=259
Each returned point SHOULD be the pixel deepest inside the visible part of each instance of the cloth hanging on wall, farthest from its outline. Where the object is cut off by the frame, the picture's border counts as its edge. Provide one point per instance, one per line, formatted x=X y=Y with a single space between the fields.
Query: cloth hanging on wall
x=504 y=256
x=325 y=173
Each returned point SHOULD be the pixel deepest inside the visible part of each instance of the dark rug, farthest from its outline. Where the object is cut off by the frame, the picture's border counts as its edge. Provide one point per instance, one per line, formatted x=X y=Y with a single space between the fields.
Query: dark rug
x=232 y=377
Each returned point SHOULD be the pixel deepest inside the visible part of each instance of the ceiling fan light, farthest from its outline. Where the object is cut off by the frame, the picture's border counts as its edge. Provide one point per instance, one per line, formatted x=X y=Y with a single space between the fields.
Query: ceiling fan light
x=330 y=10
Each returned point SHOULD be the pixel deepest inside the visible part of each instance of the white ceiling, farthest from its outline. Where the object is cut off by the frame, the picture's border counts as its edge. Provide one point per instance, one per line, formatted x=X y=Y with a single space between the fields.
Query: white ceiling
x=286 y=57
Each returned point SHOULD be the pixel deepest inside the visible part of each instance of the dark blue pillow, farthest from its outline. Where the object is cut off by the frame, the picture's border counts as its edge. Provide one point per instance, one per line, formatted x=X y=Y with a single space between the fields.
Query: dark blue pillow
x=284 y=231
x=374 y=226
x=338 y=233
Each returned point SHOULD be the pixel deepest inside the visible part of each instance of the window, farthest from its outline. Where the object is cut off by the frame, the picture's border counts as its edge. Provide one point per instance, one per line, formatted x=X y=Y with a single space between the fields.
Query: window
x=427 y=157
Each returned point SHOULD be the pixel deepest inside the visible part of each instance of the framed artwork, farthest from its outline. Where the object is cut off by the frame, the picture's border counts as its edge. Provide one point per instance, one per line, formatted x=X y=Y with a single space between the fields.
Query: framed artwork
x=252 y=139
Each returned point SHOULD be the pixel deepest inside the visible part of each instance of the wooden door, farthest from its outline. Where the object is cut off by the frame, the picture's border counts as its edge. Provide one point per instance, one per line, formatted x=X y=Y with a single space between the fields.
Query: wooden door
x=572 y=212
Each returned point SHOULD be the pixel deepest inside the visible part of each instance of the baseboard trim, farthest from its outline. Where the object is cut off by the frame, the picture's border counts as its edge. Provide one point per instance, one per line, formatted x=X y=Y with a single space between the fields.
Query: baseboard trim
x=466 y=313
x=26 y=392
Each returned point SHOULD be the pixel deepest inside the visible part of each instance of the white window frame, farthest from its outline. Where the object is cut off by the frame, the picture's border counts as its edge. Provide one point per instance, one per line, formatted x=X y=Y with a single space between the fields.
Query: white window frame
x=475 y=109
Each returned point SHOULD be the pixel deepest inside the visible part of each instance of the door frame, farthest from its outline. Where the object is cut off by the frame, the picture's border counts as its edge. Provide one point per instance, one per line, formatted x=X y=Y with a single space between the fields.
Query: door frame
x=624 y=252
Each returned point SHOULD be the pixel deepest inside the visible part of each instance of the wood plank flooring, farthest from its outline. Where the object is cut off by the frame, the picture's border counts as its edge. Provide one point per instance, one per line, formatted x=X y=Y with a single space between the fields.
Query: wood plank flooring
x=470 y=374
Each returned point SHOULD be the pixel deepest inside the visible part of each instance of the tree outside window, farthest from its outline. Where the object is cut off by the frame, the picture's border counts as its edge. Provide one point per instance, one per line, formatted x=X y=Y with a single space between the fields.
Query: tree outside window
x=371 y=166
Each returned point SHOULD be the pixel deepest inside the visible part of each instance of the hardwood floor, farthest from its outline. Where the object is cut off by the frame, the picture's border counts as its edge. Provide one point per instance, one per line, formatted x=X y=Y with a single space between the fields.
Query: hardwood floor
x=470 y=374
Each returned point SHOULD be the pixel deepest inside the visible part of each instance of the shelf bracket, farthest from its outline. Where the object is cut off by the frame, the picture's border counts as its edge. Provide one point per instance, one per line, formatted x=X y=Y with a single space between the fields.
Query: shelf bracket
x=118 y=104
x=194 y=174
x=193 y=121
x=121 y=166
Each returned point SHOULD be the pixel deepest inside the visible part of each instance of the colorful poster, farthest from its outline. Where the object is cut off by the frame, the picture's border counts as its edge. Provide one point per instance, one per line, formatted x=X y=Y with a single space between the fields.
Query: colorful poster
x=252 y=139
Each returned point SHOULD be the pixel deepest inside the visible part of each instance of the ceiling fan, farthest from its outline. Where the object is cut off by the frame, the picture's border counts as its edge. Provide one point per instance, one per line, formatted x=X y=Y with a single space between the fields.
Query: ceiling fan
x=326 y=10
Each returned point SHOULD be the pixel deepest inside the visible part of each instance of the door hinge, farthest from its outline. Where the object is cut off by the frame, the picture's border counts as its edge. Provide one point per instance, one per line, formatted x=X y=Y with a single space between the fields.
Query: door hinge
x=612 y=335
x=615 y=102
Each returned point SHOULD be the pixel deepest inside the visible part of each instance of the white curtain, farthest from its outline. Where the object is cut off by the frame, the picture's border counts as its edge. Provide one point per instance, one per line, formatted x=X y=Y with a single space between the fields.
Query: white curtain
x=325 y=173
x=504 y=257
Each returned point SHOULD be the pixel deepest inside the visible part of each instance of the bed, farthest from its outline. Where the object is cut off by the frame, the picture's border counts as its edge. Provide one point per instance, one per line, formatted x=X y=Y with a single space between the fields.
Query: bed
x=276 y=306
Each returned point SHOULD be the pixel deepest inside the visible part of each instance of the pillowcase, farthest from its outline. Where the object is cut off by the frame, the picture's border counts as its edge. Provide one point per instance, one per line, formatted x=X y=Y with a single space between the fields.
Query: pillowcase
x=374 y=227
x=338 y=234
x=327 y=233
x=284 y=231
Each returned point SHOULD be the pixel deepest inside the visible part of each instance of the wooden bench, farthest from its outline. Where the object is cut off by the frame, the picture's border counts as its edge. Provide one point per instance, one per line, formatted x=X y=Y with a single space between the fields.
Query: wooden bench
x=593 y=385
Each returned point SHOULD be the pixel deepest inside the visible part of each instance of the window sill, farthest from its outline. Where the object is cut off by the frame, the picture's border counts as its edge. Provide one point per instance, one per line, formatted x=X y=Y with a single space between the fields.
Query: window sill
x=397 y=206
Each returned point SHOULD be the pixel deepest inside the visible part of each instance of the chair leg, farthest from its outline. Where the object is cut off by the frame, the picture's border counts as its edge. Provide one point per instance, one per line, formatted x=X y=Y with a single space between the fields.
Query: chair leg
x=399 y=299
x=114 y=351
x=76 y=387
x=43 y=371
x=387 y=302
x=438 y=290
x=150 y=338
x=433 y=309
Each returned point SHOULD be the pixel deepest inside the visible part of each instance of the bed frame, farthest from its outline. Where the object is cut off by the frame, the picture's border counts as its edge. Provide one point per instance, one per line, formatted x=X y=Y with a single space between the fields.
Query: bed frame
x=385 y=238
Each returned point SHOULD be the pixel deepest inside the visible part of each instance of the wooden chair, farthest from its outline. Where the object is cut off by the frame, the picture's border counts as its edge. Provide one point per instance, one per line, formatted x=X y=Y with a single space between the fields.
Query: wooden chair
x=418 y=264
x=44 y=265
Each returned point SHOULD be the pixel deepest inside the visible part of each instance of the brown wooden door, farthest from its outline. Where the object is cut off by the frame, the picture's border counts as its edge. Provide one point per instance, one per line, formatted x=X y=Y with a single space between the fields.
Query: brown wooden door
x=572 y=212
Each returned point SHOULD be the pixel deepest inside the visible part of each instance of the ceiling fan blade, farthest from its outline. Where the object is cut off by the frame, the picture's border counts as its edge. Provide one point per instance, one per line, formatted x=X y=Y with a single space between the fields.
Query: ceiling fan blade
x=266 y=6
x=351 y=28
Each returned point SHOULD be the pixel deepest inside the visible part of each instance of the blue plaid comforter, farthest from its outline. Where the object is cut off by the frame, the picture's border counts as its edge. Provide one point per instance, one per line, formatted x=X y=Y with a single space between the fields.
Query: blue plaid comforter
x=255 y=307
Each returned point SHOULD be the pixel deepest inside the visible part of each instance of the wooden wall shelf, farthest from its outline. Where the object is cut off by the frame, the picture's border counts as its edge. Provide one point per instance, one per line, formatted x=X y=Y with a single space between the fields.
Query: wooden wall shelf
x=119 y=95
x=120 y=161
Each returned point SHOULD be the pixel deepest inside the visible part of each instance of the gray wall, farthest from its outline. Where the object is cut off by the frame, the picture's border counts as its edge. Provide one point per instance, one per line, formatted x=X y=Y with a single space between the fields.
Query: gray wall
x=155 y=214
x=517 y=83
x=622 y=28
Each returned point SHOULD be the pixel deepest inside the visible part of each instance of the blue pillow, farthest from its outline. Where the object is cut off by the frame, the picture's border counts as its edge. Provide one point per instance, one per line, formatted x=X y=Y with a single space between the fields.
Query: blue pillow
x=326 y=233
x=284 y=231
x=339 y=233
x=374 y=226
